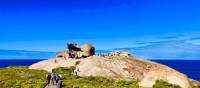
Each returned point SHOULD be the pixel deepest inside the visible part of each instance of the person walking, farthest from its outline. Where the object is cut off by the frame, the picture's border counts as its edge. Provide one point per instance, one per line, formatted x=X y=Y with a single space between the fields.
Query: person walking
x=76 y=71
x=52 y=78
x=60 y=84
x=57 y=78
x=48 y=77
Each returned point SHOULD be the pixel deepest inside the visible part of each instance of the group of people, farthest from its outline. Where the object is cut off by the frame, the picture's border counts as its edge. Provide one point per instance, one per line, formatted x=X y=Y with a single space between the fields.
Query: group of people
x=54 y=79
x=76 y=71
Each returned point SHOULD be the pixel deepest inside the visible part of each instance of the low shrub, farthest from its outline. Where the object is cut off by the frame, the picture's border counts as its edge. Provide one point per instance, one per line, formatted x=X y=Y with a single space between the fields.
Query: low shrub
x=196 y=86
x=164 y=84
x=21 y=77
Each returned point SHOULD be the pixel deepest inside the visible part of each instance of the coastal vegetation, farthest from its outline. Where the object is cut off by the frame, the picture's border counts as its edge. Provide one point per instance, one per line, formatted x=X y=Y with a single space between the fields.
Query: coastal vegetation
x=74 y=81
x=196 y=86
x=22 y=77
x=164 y=84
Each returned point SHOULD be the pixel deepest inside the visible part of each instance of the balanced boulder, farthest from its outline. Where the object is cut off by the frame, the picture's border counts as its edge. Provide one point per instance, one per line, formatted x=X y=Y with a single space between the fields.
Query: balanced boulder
x=88 y=50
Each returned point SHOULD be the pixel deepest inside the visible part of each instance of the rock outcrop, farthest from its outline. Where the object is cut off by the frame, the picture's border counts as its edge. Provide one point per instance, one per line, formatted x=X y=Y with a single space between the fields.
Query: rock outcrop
x=62 y=54
x=120 y=53
x=50 y=64
x=77 y=52
x=126 y=68
x=115 y=65
x=119 y=67
x=88 y=50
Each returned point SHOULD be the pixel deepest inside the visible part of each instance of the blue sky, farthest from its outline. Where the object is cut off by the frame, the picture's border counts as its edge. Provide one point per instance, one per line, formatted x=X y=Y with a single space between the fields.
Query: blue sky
x=47 y=25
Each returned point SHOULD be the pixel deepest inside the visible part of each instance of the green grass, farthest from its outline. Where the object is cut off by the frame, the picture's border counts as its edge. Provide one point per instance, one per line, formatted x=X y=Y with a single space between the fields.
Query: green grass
x=164 y=84
x=196 y=86
x=21 y=77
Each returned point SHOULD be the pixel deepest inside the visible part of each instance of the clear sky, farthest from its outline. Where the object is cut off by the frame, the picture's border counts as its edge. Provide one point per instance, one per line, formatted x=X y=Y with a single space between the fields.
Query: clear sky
x=47 y=25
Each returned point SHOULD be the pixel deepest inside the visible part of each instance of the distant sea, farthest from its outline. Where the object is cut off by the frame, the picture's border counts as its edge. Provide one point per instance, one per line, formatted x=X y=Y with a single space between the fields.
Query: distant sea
x=188 y=67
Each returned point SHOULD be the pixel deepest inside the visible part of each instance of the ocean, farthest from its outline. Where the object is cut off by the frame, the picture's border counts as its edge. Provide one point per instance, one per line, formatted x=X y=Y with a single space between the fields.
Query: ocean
x=188 y=67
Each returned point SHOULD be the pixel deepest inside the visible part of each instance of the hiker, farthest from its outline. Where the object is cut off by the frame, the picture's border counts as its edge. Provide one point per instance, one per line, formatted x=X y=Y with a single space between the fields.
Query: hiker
x=76 y=71
x=54 y=78
x=59 y=81
x=59 y=84
x=48 y=76
x=57 y=78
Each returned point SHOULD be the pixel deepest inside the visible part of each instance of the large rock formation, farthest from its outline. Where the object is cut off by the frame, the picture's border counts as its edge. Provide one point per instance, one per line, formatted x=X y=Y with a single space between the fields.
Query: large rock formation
x=127 y=68
x=116 y=65
x=74 y=51
x=119 y=67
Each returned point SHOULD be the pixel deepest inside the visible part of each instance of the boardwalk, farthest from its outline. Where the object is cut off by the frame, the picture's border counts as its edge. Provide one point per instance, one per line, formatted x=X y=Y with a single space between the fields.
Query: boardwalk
x=51 y=86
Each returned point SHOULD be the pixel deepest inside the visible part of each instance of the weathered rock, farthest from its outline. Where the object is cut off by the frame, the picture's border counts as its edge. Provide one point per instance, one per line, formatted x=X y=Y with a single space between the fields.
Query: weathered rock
x=88 y=50
x=124 y=53
x=62 y=54
x=73 y=47
x=119 y=67
x=126 y=68
x=194 y=82
x=50 y=64
x=74 y=51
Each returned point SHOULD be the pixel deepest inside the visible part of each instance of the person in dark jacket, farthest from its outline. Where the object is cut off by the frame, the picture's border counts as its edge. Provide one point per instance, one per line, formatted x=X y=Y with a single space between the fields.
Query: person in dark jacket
x=48 y=77
x=53 y=78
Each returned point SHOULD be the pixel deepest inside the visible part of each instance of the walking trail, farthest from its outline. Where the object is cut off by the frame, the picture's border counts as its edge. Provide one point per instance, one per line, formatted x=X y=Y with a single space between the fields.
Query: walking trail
x=51 y=86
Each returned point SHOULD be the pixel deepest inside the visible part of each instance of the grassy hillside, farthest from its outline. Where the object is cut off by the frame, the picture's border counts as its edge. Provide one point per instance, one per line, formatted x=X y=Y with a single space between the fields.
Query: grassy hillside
x=22 y=77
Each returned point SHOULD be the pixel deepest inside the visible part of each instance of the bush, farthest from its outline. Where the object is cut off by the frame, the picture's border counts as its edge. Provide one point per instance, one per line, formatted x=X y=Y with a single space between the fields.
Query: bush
x=127 y=84
x=164 y=84
x=196 y=87
x=77 y=62
x=21 y=77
